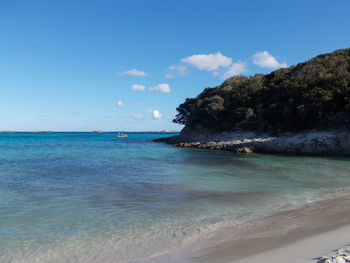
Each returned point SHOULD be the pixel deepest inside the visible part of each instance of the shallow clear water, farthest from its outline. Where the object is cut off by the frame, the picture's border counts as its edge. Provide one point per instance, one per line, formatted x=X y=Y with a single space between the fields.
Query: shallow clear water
x=84 y=197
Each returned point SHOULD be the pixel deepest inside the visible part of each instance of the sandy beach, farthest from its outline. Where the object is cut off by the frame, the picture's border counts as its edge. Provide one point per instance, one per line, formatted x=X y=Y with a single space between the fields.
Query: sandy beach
x=116 y=204
x=316 y=232
x=310 y=233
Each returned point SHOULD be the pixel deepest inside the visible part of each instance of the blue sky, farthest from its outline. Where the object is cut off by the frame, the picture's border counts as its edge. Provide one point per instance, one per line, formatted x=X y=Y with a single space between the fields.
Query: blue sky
x=72 y=65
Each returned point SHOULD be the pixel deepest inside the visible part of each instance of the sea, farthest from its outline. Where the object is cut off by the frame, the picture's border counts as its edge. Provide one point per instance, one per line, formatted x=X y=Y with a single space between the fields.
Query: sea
x=89 y=197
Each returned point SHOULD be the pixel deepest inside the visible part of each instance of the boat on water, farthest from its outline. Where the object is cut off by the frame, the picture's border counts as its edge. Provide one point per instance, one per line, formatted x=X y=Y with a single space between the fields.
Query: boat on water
x=122 y=135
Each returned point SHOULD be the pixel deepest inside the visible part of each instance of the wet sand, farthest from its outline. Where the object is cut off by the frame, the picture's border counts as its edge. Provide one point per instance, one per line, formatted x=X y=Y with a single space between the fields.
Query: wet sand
x=303 y=234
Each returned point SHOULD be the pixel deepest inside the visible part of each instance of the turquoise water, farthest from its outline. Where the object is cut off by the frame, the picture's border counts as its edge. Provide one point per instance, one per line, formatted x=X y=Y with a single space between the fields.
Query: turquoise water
x=84 y=197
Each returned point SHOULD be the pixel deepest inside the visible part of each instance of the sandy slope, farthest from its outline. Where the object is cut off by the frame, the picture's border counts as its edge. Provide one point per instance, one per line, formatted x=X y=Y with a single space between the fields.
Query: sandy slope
x=304 y=234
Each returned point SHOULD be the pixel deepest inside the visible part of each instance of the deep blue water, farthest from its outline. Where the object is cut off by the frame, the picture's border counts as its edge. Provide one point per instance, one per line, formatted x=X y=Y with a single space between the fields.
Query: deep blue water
x=85 y=197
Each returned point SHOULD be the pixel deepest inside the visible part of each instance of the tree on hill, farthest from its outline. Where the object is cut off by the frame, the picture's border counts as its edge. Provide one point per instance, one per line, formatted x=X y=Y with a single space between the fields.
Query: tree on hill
x=313 y=94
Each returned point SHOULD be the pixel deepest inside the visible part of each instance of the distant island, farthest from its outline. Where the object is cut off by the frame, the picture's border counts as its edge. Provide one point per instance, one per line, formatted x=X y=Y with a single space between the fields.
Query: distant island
x=300 y=109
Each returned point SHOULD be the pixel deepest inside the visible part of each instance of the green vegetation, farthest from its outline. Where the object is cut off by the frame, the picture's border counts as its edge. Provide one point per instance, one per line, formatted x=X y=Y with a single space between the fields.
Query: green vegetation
x=314 y=94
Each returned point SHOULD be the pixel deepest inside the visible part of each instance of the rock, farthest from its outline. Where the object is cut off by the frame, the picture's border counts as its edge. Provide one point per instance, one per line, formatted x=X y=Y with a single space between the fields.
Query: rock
x=341 y=255
x=306 y=143
x=245 y=150
x=339 y=259
x=336 y=259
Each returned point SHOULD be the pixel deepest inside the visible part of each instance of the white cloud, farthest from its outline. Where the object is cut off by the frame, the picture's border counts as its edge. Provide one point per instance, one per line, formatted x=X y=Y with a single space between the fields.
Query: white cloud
x=137 y=87
x=141 y=104
x=163 y=87
x=133 y=72
x=169 y=76
x=156 y=115
x=120 y=104
x=266 y=60
x=179 y=68
x=176 y=70
x=235 y=69
x=208 y=62
x=137 y=116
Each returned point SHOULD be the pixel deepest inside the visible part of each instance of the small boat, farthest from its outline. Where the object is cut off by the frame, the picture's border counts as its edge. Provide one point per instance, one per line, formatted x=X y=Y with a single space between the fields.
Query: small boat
x=122 y=135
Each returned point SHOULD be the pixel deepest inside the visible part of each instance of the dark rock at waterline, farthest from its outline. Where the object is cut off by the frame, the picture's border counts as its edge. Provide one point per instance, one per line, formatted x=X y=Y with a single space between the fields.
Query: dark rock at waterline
x=307 y=143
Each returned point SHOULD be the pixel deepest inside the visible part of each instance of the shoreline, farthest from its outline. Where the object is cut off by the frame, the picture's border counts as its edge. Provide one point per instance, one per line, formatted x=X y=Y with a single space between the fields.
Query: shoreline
x=327 y=143
x=302 y=234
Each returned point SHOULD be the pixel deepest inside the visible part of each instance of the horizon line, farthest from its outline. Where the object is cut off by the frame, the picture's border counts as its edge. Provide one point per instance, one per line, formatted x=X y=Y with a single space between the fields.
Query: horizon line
x=90 y=131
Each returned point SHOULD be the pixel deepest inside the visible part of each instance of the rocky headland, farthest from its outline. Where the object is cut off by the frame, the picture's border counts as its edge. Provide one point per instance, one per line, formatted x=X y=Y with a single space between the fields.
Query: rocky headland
x=302 y=109
x=307 y=143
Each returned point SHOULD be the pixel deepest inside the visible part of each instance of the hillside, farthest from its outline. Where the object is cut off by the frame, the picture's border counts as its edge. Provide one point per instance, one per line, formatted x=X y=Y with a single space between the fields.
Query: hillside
x=311 y=95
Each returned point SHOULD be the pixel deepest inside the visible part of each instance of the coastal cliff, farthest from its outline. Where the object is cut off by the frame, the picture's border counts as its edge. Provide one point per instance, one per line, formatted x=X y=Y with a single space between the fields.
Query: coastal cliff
x=302 y=109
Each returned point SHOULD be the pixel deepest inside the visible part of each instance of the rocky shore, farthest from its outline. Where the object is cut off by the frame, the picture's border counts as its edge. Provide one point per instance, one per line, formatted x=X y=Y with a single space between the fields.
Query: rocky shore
x=340 y=256
x=307 y=143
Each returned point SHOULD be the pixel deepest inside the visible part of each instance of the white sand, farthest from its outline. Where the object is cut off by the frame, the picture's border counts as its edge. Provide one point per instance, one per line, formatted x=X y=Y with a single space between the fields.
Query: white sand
x=299 y=235
x=306 y=250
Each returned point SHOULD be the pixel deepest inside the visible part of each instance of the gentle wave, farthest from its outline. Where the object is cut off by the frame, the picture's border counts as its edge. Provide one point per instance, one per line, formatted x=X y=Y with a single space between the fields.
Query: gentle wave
x=73 y=197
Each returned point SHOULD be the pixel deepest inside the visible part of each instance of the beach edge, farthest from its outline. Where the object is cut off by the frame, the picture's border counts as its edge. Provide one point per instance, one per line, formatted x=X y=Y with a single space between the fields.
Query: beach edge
x=309 y=233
